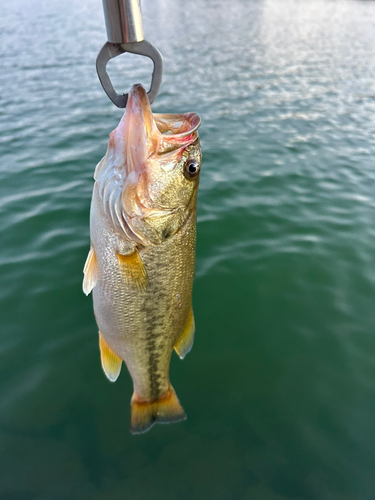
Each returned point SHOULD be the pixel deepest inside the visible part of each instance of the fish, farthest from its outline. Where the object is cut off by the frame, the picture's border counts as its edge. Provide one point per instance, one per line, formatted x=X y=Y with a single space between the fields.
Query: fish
x=141 y=263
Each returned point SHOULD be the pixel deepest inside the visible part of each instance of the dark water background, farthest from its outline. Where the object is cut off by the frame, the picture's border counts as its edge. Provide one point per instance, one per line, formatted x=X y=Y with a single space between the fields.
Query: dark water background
x=279 y=388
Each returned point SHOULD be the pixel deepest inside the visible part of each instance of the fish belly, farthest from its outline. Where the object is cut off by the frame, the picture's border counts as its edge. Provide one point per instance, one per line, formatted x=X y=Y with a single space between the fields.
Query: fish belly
x=142 y=326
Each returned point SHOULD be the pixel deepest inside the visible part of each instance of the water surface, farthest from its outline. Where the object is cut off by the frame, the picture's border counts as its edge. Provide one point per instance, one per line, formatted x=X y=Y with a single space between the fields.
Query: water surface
x=279 y=388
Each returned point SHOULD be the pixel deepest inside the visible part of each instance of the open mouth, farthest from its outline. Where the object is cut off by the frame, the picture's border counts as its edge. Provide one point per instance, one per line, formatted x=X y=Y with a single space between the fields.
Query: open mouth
x=178 y=125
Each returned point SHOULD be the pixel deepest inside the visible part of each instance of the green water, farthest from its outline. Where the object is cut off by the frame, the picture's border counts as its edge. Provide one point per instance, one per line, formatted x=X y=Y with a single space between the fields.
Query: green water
x=279 y=387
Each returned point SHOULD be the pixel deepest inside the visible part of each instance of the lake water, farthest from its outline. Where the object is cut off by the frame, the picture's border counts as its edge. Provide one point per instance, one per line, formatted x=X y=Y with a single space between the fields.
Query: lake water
x=280 y=385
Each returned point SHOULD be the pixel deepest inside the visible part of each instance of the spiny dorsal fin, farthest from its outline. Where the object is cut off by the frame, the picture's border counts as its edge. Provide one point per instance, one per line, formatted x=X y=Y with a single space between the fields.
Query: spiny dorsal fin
x=90 y=272
x=165 y=410
x=111 y=363
x=133 y=270
x=186 y=339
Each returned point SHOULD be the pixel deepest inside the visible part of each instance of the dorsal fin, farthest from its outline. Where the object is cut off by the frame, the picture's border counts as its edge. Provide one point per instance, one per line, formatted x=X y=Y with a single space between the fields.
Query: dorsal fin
x=186 y=339
x=111 y=363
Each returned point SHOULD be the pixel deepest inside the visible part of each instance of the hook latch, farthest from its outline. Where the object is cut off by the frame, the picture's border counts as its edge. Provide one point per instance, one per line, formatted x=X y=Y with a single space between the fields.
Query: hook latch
x=124 y=25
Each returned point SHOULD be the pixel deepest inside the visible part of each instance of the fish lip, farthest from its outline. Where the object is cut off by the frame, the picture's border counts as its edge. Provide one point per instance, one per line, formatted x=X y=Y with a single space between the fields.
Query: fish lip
x=169 y=118
x=145 y=135
x=159 y=125
x=138 y=110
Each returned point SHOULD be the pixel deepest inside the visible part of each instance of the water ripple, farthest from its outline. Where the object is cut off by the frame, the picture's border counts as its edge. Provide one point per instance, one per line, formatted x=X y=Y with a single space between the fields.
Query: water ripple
x=285 y=283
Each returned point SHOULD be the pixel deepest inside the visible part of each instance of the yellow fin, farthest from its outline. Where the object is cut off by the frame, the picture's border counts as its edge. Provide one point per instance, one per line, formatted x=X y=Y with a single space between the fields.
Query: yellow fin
x=165 y=410
x=111 y=363
x=186 y=339
x=90 y=272
x=133 y=270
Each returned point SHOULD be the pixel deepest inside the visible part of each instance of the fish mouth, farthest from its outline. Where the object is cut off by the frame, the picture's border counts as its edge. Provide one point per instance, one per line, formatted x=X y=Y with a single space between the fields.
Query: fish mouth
x=139 y=113
x=146 y=134
x=143 y=137
x=177 y=125
x=136 y=134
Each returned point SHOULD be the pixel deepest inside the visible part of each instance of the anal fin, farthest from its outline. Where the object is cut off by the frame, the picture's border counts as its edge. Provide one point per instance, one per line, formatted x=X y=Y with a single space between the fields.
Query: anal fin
x=111 y=363
x=133 y=270
x=165 y=410
x=185 y=342
x=90 y=272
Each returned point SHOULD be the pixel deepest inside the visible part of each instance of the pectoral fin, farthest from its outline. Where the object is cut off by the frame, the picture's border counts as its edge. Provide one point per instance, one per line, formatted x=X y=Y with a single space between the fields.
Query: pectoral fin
x=111 y=363
x=133 y=270
x=90 y=272
x=185 y=342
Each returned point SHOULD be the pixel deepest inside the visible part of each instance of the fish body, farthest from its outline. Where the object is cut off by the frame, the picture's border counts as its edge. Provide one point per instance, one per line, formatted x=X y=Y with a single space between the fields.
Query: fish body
x=141 y=264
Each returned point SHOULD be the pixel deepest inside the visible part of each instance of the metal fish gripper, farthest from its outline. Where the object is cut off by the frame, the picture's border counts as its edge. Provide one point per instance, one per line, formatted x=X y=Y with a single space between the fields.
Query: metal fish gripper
x=124 y=25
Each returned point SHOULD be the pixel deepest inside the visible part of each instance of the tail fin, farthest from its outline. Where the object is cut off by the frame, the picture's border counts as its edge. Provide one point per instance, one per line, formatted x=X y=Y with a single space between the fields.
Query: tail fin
x=165 y=410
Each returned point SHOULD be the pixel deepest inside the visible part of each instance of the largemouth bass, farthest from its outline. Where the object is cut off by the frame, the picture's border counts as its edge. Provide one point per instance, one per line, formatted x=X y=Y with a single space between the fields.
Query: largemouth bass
x=141 y=264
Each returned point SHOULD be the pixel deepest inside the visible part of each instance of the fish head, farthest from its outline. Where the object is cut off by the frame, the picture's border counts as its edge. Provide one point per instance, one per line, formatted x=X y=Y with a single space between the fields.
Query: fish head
x=162 y=158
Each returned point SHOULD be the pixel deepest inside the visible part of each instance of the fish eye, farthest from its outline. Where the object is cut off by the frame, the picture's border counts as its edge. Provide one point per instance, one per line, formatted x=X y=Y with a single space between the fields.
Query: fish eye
x=191 y=168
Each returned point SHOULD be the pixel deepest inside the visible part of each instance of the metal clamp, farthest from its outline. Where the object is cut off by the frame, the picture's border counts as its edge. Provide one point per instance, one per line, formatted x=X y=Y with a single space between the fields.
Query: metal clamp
x=125 y=34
